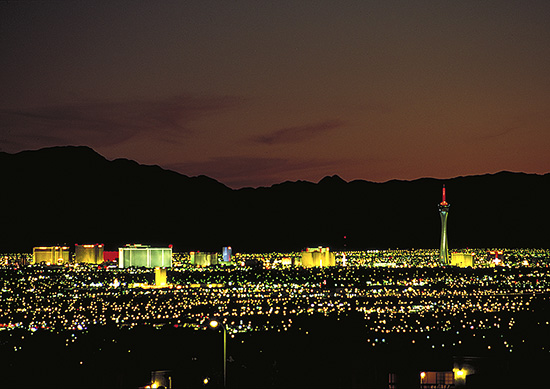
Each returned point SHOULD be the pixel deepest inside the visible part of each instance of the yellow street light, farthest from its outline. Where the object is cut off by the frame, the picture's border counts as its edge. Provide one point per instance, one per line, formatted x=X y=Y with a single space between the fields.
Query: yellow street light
x=215 y=324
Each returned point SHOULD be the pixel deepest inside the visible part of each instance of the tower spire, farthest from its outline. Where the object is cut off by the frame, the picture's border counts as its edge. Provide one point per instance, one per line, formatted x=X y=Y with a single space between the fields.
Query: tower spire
x=443 y=201
x=443 y=213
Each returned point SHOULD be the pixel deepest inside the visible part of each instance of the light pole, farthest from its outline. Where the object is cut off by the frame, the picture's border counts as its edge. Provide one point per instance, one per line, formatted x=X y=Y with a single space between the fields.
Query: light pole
x=215 y=324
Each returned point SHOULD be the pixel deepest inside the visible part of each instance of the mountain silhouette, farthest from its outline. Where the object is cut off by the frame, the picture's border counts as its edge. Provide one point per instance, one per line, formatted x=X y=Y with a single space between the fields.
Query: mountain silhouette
x=67 y=195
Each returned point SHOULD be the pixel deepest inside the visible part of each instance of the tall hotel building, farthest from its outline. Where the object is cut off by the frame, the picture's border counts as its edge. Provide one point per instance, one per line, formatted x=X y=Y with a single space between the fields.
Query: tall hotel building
x=138 y=255
x=56 y=255
x=444 y=246
x=88 y=253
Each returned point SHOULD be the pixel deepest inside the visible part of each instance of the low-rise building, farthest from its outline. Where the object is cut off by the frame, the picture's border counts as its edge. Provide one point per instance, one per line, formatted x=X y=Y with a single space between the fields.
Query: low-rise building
x=462 y=259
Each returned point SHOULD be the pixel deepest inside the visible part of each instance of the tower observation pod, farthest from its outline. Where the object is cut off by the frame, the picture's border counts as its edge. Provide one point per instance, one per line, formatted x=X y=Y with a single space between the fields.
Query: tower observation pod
x=444 y=246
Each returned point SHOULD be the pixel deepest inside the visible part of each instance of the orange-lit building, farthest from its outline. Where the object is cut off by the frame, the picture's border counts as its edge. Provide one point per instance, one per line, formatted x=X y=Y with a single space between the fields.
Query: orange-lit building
x=437 y=379
x=53 y=255
x=88 y=253
x=318 y=257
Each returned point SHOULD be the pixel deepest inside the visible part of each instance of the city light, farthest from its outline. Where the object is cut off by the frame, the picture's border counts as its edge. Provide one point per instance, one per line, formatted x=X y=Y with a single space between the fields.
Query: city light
x=392 y=294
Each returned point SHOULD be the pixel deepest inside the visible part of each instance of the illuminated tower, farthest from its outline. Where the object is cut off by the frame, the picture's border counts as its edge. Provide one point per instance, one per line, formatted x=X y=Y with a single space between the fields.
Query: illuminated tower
x=444 y=247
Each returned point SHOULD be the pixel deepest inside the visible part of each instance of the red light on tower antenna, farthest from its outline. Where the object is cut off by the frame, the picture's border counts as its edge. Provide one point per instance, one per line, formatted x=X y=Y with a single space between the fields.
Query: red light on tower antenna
x=443 y=201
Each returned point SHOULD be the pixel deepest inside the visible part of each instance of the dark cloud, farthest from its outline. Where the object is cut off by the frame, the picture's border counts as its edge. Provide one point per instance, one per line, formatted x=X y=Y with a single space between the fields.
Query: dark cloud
x=491 y=135
x=298 y=133
x=97 y=123
x=237 y=172
x=519 y=127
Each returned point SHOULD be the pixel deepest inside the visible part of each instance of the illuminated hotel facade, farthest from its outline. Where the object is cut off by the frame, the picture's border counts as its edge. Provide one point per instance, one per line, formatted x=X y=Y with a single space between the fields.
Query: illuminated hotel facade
x=226 y=254
x=318 y=257
x=444 y=246
x=160 y=276
x=137 y=255
x=88 y=253
x=55 y=255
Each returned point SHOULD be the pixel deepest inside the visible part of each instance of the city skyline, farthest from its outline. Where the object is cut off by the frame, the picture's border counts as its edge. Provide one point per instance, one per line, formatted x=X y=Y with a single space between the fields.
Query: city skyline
x=253 y=94
x=380 y=306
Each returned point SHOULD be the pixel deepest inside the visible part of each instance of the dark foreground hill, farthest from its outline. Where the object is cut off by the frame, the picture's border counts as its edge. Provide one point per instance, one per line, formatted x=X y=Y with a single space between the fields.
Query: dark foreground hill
x=74 y=195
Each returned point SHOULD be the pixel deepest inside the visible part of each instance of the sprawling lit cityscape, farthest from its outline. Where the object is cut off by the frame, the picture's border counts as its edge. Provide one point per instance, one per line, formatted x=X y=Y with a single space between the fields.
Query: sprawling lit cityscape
x=376 y=318
x=395 y=295
x=274 y=194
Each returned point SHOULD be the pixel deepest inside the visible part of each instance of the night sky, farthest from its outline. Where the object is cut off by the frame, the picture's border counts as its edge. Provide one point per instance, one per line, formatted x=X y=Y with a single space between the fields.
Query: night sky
x=254 y=93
